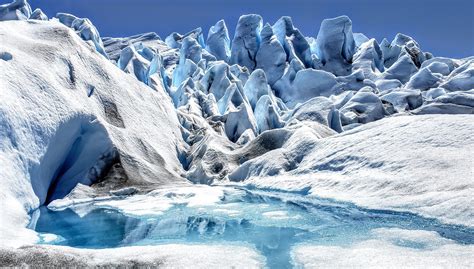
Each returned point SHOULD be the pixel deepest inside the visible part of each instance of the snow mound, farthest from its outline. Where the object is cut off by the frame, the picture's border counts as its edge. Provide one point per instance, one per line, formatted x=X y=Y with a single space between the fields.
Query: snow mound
x=420 y=164
x=67 y=119
x=390 y=248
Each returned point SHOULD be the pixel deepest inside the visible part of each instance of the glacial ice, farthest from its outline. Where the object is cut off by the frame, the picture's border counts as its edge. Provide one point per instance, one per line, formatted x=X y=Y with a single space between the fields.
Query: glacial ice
x=339 y=116
x=295 y=44
x=335 y=44
x=246 y=41
x=271 y=57
x=84 y=28
x=17 y=10
x=394 y=248
x=50 y=119
x=38 y=14
x=218 y=41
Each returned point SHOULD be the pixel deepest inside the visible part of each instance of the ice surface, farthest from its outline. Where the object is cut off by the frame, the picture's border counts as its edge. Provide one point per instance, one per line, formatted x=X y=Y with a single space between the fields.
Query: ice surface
x=272 y=223
x=17 y=10
x=335 y=44
x=420 y=164
x=84 y=28
x=392 y=248
x=164 y=256
x=71 y=105
x=246 y=41
x=271 y=57
x=218 y=41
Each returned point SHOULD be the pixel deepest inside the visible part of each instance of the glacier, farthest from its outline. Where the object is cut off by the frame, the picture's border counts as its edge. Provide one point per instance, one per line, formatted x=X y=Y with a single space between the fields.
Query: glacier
x=141 y=125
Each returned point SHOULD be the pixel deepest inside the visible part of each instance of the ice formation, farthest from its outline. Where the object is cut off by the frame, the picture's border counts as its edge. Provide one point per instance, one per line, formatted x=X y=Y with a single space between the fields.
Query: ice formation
x=338 y=115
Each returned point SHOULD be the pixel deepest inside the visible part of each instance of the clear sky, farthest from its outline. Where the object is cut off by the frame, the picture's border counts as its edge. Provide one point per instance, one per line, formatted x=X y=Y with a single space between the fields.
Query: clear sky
x=443 y=27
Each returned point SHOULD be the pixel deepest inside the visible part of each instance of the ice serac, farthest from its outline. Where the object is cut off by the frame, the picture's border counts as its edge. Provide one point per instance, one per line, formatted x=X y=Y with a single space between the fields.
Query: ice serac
x=38 y=15
x=17 y=10
x=318 y=109
x=363 y=107
x=174 y=40
x=218 y=41
x=132 y=60
x=360 y=38
x=216 y=80
x=335 y=44
x=114 y=46
x=84 y=28
x=295 y=44
x=402 y=69
x=190 y=54
x=369 y=59
x=461 y=79
x=256 y=87
x=267 y=114
x=246 y=41
x=271 y=57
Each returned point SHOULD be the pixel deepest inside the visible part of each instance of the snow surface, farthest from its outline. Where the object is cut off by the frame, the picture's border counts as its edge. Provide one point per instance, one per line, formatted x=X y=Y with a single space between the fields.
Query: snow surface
x=66 y=100
x=164 y=256
x=418 y=164
x=389 y=248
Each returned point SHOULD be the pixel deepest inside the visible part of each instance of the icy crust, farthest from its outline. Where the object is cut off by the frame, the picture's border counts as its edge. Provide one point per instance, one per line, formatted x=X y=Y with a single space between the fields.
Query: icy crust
x=67 y=116
x=419 y=164
x=164 y=256
x=390 y=248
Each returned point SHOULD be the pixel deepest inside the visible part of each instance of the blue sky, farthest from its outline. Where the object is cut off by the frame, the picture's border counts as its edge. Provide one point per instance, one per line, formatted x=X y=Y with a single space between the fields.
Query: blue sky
x=445 y=28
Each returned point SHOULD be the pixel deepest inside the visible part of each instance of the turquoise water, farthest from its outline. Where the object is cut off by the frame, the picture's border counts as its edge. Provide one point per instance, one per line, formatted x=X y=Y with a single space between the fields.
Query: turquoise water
x=271 y=222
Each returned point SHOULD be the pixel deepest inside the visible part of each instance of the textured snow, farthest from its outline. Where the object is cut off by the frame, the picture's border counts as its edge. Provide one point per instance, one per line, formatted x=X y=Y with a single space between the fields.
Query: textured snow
x=390 y=248
x=164 y=256
x=419 y=164
x=71 y=105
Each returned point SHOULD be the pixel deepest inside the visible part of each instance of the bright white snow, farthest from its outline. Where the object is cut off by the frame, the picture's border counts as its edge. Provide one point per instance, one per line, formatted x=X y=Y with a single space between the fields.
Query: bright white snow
x=389 y=248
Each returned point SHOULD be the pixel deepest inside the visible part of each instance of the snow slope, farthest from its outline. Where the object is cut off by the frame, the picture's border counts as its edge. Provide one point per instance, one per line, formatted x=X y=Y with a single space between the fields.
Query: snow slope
x=419 y=164
x=391 y=248
x=67 y=115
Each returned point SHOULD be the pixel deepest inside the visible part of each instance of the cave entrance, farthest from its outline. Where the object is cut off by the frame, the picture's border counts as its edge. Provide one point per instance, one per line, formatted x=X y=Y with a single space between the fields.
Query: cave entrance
x=80 y=151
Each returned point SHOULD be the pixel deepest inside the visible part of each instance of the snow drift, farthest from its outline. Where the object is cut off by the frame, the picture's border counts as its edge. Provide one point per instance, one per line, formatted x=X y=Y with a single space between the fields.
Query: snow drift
x=67 y=115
